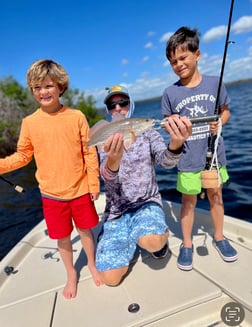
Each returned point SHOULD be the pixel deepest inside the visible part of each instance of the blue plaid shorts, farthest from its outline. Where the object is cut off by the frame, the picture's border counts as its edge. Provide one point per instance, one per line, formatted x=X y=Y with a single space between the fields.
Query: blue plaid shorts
x=118 y=242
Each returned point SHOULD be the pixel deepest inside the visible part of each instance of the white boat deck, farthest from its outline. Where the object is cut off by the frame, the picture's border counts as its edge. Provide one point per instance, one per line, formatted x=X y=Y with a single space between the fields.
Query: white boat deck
x=167 y=296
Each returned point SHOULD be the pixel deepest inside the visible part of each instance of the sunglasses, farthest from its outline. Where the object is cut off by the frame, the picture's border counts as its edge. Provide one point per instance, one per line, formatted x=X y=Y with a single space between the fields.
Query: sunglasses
x=122 y=103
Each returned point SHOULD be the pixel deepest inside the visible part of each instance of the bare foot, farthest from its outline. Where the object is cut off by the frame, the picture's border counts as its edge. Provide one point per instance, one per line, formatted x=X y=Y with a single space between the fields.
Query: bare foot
x=70 y=289
x=96 y=276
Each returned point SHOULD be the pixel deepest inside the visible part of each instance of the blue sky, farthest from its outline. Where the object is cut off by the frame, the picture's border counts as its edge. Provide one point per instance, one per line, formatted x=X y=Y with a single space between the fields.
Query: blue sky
x=102 y=43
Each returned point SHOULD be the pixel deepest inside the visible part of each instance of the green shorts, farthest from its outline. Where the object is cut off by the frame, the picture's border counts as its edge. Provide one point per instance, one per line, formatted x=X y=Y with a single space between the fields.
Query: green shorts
x=190 y=183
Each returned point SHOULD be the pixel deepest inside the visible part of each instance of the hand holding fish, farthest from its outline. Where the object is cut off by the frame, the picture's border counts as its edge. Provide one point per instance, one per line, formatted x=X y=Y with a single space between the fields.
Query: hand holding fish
x=114 y=149
x=179 y=128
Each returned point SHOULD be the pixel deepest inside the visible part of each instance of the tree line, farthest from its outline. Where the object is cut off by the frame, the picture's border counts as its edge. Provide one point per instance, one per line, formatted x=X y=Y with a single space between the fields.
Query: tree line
x=17 y=101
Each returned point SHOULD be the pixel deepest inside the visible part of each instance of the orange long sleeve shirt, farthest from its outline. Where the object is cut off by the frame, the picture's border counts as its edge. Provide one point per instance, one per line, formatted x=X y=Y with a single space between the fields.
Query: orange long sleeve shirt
x=66 y=168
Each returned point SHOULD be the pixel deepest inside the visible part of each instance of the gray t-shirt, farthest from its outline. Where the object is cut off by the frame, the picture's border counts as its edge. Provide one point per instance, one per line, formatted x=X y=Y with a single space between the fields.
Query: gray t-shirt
x=193 y=102
x=135 y=183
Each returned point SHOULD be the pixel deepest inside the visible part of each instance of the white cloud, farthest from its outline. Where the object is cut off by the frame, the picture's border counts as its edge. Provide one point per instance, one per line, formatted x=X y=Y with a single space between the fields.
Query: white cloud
x=144 y=74
x=151 y=33
x=165 y=37
x=149 y=45
x=215 y=33
x=166 y=63
x=210 y=65
x=151 y=87
x=239 y=69
x=249 y=40
x=242 y=25
x=145 y=58
x=124 y=62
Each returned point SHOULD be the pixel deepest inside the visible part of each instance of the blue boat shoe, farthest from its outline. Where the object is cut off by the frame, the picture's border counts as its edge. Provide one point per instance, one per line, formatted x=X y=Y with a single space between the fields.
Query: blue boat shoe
x=184 y=260
x=161 y=253
x=226 y=251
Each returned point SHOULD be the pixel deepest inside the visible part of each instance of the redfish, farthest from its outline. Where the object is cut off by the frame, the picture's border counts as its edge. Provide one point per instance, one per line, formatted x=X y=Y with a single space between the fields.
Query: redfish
x=132 y=127
x=129 y=127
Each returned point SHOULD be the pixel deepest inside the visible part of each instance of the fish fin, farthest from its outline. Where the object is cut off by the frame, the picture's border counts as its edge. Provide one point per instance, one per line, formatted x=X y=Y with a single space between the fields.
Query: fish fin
x=97 y=126
x=127 y=144
x=132 y=136
x=117 y=116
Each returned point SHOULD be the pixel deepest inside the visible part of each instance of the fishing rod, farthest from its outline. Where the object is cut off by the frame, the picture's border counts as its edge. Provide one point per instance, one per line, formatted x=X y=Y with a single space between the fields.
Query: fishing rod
x=217 y=107
x=17 y=188
x=195 y=120
x=227 y=42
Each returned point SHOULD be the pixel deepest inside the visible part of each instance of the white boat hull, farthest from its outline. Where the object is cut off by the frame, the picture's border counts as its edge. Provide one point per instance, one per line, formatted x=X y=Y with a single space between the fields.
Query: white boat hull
x=31 y=295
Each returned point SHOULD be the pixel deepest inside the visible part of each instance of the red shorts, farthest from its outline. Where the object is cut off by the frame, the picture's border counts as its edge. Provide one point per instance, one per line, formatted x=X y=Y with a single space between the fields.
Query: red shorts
x=60 y=215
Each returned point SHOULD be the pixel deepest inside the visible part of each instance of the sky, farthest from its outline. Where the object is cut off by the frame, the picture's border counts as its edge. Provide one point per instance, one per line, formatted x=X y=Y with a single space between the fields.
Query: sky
x=103 y=43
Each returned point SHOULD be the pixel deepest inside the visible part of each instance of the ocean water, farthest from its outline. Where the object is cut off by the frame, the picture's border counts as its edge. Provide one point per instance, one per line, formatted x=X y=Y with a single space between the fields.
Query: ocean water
x=20 y=212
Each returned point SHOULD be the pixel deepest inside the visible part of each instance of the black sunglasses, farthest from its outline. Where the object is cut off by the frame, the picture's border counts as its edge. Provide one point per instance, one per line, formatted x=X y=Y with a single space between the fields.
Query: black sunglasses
x=122 y=103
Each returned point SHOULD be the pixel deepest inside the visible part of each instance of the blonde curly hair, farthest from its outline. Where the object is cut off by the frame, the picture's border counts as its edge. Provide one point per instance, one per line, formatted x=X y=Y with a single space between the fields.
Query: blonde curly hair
x=45 y=67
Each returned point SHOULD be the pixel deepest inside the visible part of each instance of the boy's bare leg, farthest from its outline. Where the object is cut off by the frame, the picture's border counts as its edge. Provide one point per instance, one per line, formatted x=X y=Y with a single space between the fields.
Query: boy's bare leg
x=217 y=211
x=66 y=252
x=187 y=218
x=87 y=241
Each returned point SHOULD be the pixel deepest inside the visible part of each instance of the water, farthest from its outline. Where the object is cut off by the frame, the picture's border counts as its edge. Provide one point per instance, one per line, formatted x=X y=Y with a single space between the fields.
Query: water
x=20 y=212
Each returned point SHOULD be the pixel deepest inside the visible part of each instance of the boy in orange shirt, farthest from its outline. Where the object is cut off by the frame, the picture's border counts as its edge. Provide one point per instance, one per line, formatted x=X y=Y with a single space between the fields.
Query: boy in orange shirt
x=67 y=171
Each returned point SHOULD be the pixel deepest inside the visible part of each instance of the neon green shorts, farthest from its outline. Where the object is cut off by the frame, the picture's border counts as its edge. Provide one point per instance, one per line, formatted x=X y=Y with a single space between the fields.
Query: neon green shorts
x=190 y=183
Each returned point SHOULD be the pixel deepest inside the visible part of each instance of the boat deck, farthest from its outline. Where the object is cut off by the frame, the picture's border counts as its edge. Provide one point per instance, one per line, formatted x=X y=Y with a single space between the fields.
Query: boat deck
x=166 y=296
